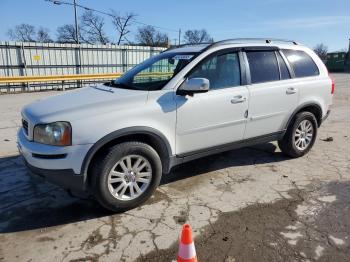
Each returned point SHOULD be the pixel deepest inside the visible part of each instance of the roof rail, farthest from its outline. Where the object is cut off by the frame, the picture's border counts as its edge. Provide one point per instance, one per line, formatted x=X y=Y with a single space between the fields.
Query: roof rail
x=240 y=40
x=208 y=45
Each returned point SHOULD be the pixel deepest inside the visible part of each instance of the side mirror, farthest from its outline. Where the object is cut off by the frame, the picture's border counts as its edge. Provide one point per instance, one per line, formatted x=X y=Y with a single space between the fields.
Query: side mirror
x=193 y=85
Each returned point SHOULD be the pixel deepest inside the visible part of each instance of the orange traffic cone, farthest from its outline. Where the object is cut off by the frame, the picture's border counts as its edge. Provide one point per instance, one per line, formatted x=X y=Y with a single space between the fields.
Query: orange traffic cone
x=187 y=251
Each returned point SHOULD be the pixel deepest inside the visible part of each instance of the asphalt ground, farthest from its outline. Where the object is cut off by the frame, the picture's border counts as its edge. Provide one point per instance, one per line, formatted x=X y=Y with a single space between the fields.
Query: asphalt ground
x=251 y=204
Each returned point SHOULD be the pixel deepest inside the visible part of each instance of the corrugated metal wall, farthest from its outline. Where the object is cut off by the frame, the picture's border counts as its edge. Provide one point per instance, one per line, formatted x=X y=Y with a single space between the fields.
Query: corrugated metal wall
x=38 y=59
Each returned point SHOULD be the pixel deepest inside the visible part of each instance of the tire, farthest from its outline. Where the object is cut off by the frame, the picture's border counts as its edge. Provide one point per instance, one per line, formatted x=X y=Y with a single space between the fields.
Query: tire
x=290 y=144
x=108 y=186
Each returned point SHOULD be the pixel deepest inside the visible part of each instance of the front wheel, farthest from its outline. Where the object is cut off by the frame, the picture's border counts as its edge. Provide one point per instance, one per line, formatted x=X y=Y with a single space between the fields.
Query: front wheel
x=126 y=176
x=300 y=135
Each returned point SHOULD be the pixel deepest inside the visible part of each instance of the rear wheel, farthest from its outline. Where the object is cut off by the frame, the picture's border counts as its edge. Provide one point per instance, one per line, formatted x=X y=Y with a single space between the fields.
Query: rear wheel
x=300 y=136
x=126 y=176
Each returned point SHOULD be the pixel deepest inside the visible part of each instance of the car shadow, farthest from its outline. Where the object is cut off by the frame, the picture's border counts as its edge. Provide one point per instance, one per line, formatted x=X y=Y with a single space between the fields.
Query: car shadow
x=28 y=203
x=259 y=154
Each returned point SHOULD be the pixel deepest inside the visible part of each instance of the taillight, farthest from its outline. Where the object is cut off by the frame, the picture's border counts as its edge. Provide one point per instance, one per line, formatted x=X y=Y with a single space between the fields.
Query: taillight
x=333 y=84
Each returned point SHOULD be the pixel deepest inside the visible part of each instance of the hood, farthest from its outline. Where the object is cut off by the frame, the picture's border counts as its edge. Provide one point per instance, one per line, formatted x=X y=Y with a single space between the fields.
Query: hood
x=83 y=102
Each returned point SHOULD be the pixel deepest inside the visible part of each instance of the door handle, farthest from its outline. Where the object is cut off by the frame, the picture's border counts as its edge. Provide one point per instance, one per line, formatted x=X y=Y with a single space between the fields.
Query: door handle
x=291 y=90
x=238 y=99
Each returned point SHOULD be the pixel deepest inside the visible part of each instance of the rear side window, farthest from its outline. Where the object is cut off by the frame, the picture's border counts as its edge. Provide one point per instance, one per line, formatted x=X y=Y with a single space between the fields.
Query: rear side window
x=302 y=63
x=263 y=66
x=284 y=72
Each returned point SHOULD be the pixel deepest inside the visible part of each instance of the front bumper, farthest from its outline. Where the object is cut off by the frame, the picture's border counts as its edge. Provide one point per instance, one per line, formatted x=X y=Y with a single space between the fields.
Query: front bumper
x=59 y=165
x=65 y=178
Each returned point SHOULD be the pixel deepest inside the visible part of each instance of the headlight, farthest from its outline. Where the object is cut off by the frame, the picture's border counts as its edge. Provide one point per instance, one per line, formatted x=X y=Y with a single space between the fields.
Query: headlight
x=56 y=134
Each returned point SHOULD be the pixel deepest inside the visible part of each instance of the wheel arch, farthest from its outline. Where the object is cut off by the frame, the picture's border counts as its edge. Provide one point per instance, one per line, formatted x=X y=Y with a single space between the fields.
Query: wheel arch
x=147 y=135
x=313 y=108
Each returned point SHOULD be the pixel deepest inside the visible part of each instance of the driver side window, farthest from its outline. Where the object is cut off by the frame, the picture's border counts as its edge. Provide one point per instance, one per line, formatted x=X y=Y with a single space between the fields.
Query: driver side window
x=222 y=71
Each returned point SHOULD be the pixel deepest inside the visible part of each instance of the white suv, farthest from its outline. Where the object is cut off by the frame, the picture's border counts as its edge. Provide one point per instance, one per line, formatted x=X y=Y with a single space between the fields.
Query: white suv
x=116 y=140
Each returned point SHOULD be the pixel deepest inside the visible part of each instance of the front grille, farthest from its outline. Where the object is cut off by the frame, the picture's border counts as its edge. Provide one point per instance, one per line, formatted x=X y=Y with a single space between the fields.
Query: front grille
x=25 y=126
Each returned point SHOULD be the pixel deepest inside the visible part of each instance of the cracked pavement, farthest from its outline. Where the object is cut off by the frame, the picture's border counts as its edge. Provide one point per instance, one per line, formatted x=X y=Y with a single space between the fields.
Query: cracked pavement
x=251 y=204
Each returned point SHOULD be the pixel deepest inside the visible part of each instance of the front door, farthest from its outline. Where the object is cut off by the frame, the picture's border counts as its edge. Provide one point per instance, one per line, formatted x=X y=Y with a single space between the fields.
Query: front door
x=217 y=117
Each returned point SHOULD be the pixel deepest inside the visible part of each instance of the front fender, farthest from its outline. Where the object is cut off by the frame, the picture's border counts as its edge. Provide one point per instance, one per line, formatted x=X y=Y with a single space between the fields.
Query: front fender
x=136 y=130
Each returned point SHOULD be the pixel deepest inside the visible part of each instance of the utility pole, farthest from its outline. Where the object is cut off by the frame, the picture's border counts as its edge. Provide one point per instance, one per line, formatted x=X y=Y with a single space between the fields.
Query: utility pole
x=57 y=2
x=179 y=36
x=76 y=23
x=77 y=39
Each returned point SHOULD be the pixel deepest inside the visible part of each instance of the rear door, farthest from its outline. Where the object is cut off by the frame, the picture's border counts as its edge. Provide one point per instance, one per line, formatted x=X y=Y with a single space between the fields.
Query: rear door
x=272 y=94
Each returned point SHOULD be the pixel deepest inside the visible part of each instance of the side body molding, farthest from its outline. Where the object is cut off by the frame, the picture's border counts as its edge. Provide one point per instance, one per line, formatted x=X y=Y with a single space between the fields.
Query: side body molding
x=136 y=130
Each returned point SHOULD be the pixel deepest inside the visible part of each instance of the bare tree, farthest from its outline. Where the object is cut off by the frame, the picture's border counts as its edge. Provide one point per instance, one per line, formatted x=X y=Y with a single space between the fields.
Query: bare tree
x=197 y=37
x=43 y=35
x=92 y=26
x=122 y=25
x=66 y=34
x=22 y=32
x=148 y=35
x=321 y=50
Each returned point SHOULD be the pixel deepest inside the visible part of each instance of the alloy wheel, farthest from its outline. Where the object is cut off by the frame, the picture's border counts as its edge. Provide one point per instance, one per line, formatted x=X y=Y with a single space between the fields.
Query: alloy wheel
x=303 y=135
x=129 y=177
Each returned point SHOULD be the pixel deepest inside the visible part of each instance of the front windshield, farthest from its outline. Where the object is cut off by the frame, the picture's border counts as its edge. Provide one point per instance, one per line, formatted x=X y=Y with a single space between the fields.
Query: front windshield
x=155 y=72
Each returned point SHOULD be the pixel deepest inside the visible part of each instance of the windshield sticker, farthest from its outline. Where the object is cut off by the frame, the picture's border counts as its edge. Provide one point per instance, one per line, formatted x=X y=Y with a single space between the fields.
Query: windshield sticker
x=183 y=57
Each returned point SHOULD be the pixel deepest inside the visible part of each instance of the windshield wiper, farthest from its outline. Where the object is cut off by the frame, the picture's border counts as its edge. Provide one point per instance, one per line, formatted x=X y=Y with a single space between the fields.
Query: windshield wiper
x=120 y=85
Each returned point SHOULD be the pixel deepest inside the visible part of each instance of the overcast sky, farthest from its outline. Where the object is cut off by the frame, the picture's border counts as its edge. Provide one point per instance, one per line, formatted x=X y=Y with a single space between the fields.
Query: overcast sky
x=306 y=21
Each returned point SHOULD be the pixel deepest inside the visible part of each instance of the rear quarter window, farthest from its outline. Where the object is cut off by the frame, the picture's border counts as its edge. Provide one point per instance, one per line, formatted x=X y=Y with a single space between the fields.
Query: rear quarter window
x=302 y=63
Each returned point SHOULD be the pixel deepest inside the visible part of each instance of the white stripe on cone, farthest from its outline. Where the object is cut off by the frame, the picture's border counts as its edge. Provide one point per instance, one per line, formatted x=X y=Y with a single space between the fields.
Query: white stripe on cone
x=187 y=251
